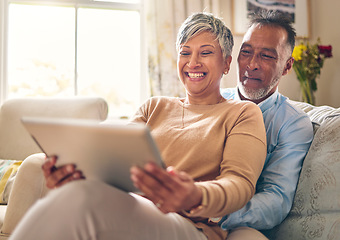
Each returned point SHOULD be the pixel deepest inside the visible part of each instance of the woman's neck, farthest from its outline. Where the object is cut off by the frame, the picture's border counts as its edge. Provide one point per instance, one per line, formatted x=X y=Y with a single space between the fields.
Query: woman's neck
x=203 y=101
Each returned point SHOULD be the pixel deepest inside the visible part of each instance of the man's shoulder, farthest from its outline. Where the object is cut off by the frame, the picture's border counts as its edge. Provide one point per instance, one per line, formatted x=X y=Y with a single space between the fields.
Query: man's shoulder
x=287 y=124
x=288 y=116
x=287 y=108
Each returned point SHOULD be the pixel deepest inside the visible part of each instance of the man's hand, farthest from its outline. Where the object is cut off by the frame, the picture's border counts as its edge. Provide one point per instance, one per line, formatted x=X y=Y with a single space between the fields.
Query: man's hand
x=56 y=177
x=169 y=190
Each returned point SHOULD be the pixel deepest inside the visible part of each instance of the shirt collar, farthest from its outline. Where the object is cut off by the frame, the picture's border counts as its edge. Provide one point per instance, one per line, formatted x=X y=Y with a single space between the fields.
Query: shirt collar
x=237 y=95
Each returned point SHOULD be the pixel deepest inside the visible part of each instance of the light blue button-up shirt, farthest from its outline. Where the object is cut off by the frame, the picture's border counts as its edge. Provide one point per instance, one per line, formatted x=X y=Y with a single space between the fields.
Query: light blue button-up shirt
x=289 y=135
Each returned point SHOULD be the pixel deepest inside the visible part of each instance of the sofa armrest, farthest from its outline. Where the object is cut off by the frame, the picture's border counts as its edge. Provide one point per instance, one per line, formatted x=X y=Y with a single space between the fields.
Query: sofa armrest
x=28 y=187
x=16 y=143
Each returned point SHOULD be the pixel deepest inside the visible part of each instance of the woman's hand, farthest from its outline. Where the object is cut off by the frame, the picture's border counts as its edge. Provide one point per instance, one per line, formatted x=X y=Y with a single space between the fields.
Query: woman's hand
x=56 y=177
x=169 y=190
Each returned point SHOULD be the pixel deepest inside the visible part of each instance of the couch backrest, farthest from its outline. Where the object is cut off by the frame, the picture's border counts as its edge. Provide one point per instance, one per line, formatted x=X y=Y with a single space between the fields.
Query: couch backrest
x=315 y=213
x=17 y=144
x=317 y=114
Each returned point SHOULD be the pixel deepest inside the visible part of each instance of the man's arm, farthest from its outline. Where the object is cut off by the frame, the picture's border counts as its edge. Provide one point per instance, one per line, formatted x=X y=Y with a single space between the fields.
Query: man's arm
x=278 y=181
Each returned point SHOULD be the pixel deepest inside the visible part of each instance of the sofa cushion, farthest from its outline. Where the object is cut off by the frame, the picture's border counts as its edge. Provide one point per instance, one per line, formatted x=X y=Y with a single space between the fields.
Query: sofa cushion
x=316 y=209
x=8 y=170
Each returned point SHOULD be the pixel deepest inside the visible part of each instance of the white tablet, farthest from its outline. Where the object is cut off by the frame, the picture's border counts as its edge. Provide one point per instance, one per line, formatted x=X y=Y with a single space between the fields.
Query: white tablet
x=104 y=152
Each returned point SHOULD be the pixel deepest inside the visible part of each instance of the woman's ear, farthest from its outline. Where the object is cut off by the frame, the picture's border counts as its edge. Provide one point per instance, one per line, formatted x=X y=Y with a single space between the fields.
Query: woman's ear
x=227 y=64
x=288 y=66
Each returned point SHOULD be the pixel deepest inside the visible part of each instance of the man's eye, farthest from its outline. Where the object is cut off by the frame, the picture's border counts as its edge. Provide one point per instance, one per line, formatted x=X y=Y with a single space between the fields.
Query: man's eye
x=245 y=52
x=267 y=56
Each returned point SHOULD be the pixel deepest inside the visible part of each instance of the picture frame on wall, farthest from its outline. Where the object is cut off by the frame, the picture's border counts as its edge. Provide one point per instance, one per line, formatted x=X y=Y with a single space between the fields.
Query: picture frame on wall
x=298 y=10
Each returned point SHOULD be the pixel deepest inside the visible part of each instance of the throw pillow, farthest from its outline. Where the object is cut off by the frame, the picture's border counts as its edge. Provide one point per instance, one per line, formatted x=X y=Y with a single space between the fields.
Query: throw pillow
x=8 y=170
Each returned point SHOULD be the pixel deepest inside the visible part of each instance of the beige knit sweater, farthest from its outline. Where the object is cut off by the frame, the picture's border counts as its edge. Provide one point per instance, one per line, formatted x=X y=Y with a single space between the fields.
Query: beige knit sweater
x=222 y=146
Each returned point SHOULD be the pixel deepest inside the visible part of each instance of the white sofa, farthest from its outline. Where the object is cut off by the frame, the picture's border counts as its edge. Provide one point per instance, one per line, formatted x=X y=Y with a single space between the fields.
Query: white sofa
x=316 y=209
x=16 y=145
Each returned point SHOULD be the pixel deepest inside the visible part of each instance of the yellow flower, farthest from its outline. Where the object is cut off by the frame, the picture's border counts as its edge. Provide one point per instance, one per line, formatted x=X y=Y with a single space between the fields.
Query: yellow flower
x=309 y=59
x=297 y=52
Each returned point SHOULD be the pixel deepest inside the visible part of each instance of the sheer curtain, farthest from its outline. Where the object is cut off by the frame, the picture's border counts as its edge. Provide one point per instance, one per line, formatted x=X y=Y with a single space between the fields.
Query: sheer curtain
x=163 y=18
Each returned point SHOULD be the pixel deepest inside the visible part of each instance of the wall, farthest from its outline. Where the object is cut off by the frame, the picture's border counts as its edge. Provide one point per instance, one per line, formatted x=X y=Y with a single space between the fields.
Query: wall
x=2 y=48
x=324 y=17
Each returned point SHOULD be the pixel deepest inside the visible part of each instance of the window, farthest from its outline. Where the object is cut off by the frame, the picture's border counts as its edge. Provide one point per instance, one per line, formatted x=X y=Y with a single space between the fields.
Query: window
x=82 y=48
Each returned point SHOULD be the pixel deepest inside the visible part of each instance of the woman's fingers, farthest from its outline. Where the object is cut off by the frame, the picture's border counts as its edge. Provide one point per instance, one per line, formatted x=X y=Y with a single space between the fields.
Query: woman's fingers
x=169 y=190
x=49 y=165
x=148 y=184
x=56 y=177
x=74 y=176
x=182 y=175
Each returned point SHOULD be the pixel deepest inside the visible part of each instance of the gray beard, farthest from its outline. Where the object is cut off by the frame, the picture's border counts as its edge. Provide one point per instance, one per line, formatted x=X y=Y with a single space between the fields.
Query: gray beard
x=256 y=94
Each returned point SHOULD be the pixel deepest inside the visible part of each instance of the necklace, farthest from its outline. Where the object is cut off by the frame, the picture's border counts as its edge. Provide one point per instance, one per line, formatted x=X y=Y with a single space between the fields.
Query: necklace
x=184 y=102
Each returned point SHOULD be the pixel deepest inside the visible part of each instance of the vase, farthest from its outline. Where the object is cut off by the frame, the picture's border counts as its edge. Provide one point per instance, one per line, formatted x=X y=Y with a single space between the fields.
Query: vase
x=307 y=93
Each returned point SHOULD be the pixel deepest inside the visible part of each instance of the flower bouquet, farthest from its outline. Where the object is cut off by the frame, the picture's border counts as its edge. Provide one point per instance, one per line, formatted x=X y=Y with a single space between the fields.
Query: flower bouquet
x=308 y=61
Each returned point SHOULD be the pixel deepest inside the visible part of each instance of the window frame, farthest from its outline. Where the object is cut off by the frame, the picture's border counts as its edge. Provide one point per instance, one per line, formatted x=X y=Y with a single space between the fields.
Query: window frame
x=4 y=10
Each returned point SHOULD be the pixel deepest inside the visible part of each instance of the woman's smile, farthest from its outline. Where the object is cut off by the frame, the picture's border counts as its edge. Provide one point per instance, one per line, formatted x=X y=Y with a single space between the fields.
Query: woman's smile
x=195 y=76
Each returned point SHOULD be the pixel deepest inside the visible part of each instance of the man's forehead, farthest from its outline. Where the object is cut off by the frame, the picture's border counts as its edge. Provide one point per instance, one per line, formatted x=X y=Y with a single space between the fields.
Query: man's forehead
x=265 y=36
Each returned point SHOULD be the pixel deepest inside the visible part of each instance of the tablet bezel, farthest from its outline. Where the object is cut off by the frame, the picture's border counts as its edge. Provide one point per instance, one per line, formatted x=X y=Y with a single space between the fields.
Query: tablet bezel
x=102 y=151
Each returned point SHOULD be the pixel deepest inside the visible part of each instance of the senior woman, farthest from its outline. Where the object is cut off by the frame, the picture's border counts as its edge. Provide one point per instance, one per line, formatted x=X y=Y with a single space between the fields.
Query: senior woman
x=215 y=147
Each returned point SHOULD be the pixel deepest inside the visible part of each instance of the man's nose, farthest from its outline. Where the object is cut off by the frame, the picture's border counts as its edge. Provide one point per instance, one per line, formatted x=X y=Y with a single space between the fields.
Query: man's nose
x=253 y=63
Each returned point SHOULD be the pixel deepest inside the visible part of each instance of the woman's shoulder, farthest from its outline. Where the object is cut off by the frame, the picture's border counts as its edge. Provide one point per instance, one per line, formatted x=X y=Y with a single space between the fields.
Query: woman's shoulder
x=242 y=105
x=240 y=109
